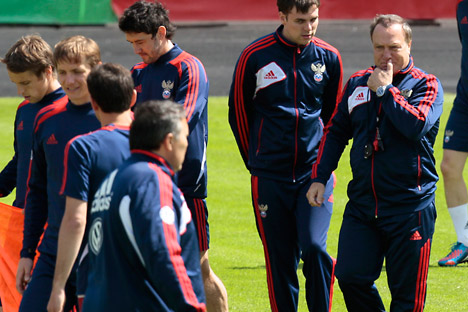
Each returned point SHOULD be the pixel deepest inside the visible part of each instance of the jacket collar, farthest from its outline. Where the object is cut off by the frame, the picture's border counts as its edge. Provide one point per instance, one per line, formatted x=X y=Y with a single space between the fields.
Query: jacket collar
x=155 y=158
x=287 y=43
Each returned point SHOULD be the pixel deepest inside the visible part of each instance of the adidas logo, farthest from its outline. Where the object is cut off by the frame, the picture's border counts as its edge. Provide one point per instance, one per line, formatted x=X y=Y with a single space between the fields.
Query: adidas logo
x=52 y=140
x=270 y=75
x=20 y=126
x=416 y=236
x=360 y=97
x=464 y=20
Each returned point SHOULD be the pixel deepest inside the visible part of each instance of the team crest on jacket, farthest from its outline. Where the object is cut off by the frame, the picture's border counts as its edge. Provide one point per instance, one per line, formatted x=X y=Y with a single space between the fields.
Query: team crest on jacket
x=167 y=86
x=263 y=210
x=448 y=135
x=406 y=93
x=318 y=70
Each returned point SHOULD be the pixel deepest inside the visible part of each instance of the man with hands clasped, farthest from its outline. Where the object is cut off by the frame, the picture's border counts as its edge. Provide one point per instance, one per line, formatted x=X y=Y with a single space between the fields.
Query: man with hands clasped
x=391 y=111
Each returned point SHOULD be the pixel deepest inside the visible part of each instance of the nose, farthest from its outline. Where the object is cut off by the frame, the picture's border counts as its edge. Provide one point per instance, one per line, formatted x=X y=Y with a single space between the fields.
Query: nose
x=20 y=89
x=69 y=78
x=136 y=48
x=387 y=54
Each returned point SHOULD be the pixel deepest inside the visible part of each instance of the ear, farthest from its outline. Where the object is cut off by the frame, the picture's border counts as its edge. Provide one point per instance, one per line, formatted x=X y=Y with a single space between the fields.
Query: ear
x=161 y=34
x=49 y=70
x=94 y=105
x=283 y=17
x=167 y=142
x=134 y=98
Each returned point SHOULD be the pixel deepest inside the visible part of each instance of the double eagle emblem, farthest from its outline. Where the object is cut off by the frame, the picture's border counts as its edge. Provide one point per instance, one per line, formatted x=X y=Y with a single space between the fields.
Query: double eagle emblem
x=318 y=70
x=167 y=88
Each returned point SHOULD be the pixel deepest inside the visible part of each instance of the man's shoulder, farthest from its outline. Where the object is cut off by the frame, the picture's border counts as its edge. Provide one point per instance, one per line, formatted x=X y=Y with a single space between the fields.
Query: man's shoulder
x=186 y=59
x=260 y=43
x=101 y=136
x=322 y=44
x=49 y=112
x=361 y=73
x=418 y=72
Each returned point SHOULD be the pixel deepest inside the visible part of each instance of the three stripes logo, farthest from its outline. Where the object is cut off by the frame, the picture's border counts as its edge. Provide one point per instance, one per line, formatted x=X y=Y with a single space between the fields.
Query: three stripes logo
x=270 y=75
x=52 y=140
x=360 y=97
x=416 y=236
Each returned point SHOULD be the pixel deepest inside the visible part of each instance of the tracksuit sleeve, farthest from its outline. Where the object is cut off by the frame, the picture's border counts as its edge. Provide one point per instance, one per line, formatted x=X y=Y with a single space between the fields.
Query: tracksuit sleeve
x=35 y=211
x=241 y=105
x=337 y=134
x=333 y=90
x=8 y=177
x=9 y=173
x=193 y=91
x=415 y=116
x=156 y=225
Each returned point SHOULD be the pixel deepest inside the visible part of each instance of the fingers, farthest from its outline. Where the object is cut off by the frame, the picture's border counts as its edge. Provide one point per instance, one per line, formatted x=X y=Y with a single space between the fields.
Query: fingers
x=315 y=194
x=23 y=275
x=21 y=282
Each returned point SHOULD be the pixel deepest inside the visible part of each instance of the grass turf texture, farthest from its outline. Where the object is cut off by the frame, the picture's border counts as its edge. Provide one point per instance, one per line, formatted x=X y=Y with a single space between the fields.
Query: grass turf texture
x=236 y=254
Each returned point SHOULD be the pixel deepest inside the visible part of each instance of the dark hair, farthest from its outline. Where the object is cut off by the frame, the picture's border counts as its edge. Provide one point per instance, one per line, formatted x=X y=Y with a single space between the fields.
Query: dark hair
x=303 y=6
x=153 y=121
x=29 y=53
x=111 y=86
x=146 y=17
x=387 y=20
x=77 y=49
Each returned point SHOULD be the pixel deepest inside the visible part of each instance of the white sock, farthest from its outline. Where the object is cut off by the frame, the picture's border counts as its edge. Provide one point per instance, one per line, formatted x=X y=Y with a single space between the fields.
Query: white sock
x=459 y=216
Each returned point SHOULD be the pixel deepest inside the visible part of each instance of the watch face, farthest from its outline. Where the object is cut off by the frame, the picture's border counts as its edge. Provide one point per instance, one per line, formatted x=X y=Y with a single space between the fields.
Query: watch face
x=380 y=91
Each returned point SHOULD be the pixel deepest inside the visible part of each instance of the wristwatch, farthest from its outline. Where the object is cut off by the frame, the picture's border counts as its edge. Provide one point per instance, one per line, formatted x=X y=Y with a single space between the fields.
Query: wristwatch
x=381 y=90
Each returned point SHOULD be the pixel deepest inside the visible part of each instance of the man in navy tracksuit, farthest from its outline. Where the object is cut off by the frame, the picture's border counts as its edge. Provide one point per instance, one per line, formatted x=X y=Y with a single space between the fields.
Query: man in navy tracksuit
x=456 y=152
x=284 y=90
x=143 y=246
x=391 y=111
x=74 y=58
x=30 y=67
x=168 y=72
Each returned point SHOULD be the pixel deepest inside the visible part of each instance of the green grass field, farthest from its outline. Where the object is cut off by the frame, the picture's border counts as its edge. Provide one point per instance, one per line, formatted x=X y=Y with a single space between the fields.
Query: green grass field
x=236 y=254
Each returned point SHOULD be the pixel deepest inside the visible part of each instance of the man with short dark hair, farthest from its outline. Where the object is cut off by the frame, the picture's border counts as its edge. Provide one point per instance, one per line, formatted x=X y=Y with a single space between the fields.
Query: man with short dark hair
x=284 y=91
x=143 y=246
x=391 y=112
x=168 y=72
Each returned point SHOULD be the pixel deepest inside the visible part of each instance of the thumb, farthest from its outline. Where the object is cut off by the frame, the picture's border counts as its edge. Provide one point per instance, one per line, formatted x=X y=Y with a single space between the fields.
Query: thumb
x=390 y=66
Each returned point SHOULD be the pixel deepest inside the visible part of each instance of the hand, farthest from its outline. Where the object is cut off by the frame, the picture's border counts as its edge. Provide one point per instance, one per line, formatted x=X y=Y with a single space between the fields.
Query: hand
x=56 y=300
x=381 y=77
x=23 y=274
x=315 y=194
